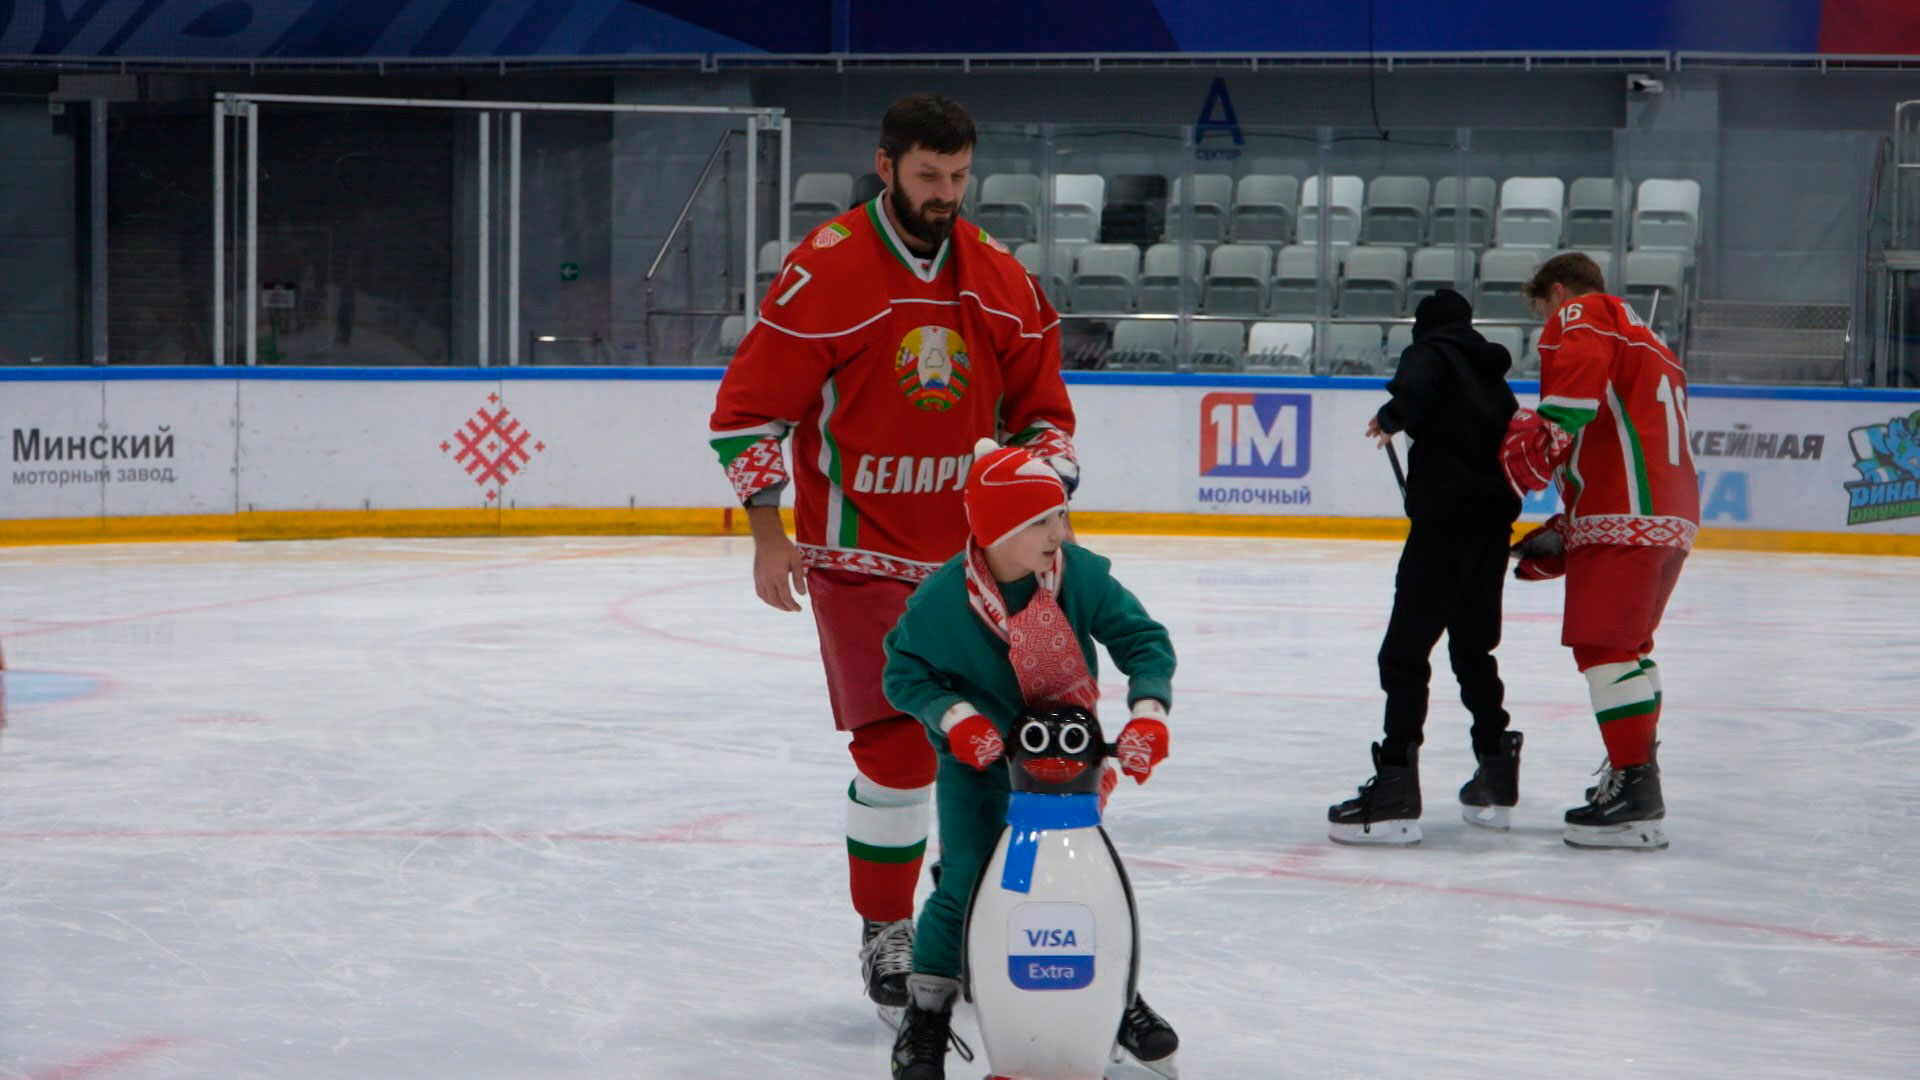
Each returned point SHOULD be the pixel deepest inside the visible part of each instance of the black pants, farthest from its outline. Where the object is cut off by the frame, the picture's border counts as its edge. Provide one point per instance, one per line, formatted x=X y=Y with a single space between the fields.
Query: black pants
x=1451 y=575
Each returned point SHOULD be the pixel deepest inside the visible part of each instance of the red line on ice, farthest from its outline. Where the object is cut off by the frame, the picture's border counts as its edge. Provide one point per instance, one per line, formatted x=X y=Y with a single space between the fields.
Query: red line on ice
x=221 y=605
x=617 y=611
x=1289 y=867
x=704 y=830
x=107 y=1059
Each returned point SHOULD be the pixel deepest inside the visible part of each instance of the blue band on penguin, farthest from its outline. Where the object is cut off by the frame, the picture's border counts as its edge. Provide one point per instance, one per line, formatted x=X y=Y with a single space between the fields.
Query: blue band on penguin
x=1029 y=816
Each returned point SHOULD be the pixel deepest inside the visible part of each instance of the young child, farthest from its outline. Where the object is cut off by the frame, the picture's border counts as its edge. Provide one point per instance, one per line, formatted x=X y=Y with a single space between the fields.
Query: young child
x=1007 y=624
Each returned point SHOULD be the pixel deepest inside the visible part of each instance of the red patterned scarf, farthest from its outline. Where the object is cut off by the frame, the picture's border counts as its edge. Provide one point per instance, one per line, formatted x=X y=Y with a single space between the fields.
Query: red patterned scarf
x=1041 y=645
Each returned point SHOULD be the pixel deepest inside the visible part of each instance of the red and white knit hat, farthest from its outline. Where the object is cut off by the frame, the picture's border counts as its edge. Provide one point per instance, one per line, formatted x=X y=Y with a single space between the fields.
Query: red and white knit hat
x=1007 y=490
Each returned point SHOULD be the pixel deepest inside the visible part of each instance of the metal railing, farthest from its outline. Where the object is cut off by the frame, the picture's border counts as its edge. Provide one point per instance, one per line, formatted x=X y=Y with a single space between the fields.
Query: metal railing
x=246 y=108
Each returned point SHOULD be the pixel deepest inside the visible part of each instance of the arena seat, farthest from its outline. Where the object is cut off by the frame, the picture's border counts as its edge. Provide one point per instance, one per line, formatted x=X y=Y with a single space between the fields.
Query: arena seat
x=1135 y=210
x=767 y=266
x=1296 y=280
x=1009 y=206
x=1374 y=282
x=1105 y=277
x=1654 y=283
x=865 y=188
x=1666 y=216
x=1399 y=336
x=1433 y=268
x=1161 y=276
x=1530 y=213
x=1355 y=349
x=1142 y=345
x=1218 y=346
x=1513 y=337
x=1343 y=207
x=1263 y=209
x=1590 y=212
x=1396 y=210
x=1503 y=273
x=1237 y=277
x=733 y=329
x=1212 y=198
x=1054 y=281
x=1443 y=220
x=1077 y=201
x=1280 y=347
x=819 y=197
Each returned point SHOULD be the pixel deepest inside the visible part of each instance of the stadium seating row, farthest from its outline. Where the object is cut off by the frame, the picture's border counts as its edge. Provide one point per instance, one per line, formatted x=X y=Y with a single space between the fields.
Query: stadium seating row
x=1250 y=279
x=1220 y=345
x=1537 y=212
x=1288 y=347
x=1365 y=281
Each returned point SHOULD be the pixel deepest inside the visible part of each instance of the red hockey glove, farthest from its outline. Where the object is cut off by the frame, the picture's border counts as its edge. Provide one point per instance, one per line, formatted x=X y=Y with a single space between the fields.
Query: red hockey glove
x=975 y=741
x=1141 y=746
x=1053 y=447
x=1542 y=552
x=1535 y=446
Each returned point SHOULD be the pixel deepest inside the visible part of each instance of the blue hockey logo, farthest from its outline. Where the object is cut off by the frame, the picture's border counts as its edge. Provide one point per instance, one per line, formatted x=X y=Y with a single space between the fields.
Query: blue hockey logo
x=1050 y=946
x=1889 y=462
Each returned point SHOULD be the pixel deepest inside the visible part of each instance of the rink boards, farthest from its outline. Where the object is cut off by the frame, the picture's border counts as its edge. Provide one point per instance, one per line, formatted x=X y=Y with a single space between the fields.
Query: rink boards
x=277 y=453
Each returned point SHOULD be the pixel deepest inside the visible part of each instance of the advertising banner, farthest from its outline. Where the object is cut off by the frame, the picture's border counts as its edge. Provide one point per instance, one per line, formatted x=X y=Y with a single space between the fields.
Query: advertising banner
x=1803 y=461
x=112 y=448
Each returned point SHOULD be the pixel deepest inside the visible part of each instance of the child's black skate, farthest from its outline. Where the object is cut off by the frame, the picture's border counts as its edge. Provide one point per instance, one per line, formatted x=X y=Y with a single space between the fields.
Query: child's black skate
x=1624 y=810
x=886 y=958
x=1149 y=1038
x=920 y=1049
x=1387 y=810
x=1487 y=800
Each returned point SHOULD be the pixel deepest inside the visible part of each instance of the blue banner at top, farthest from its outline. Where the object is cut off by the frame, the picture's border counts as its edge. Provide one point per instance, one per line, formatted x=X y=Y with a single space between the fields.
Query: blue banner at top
x=560 y=29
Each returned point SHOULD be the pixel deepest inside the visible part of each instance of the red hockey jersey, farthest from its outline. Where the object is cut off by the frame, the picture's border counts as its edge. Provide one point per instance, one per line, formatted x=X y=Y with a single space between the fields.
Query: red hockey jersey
x=1613 y=385
x=886 y=369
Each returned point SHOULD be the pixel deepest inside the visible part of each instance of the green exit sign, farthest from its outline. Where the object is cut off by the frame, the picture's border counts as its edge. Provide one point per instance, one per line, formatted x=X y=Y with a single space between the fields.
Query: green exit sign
x=569 y=271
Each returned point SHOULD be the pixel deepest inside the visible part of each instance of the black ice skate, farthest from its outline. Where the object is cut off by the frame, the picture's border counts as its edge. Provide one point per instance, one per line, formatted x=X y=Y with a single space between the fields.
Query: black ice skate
x=1387 y=810
x=1149 y=1038
x=886 y=957
x=1487 y=800
x=920 y=1049
x=1624 y=810
x=1606 y=766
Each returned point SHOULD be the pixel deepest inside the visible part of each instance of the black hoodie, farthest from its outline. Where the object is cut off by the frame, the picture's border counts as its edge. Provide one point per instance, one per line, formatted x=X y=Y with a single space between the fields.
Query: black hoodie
x=1451 y=395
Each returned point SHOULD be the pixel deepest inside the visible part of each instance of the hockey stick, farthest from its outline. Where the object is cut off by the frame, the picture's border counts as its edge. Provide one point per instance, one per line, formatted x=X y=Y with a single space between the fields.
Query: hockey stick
x=1399 y=477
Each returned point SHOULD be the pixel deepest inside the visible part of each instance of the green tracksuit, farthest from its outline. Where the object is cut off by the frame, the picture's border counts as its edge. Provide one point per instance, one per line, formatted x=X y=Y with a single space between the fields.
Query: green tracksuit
x=940 y=653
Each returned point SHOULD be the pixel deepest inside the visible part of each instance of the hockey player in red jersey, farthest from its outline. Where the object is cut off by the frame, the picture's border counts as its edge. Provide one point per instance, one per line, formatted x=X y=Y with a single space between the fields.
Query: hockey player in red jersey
x=894 y=337
x=1611 y=430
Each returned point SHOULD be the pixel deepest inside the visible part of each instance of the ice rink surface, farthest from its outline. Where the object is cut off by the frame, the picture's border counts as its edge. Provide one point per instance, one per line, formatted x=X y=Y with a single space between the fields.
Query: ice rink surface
x=574 y=807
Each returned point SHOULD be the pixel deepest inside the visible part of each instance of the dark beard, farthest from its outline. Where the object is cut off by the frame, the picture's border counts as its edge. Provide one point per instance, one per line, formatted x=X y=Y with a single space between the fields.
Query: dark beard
x=923 y=234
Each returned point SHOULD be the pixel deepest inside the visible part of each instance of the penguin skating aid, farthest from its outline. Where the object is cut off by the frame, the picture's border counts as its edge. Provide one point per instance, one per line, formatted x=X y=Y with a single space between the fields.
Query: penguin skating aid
x=1052 y=933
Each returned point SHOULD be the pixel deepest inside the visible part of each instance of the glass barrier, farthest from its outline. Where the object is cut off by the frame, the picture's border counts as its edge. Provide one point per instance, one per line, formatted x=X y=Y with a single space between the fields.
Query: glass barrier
x=1265 y=249
x=43 y=254
x=358 y=238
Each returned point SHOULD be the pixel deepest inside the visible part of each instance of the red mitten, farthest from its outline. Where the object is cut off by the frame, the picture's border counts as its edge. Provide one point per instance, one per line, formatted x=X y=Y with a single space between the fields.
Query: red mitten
x=1109 y=779
x=975 y=741
x=1141 y=746
x=1535 y=446
x=1542 y=552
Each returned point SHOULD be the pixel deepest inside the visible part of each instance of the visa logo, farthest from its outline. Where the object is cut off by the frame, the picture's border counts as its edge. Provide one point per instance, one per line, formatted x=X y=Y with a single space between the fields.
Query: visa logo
x=1051 y=939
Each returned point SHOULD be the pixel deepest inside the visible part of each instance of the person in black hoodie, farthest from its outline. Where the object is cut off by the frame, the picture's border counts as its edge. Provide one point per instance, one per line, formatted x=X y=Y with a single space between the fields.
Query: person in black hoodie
x=1451 y=396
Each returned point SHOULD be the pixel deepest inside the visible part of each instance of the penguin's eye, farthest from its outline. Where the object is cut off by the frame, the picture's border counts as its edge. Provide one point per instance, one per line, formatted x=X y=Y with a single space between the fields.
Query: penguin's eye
x=1074 y=738
x=1034 y=737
